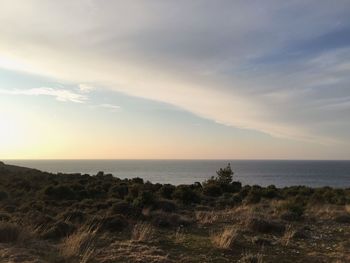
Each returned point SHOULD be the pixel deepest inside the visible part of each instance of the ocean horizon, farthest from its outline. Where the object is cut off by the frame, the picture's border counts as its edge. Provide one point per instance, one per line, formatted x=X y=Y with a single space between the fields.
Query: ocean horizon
x=281 y=173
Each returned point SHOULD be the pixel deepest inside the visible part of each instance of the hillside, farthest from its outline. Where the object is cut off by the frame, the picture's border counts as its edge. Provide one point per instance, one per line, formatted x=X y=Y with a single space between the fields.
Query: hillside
x=47 y=217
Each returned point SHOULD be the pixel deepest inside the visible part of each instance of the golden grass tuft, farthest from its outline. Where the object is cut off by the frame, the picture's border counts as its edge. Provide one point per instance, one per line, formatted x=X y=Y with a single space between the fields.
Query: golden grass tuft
x=179 y=235
x=80 y=244
x=225 y=239
x=288 y=235
x=207 y=218
x=142 y=232
x=249 y=257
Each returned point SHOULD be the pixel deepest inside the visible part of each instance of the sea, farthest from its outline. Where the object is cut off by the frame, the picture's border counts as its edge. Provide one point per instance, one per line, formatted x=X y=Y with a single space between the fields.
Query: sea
x=280 y=173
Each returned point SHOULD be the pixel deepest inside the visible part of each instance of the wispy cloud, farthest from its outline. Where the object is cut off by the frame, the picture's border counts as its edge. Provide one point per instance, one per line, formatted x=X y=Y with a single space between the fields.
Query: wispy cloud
x=109 y=106
x=84 y=88
x=59 y=94
x=247 y=64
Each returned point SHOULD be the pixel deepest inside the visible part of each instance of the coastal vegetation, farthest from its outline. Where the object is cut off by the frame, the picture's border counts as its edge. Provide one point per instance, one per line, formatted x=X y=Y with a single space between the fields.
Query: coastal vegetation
x=47 y=217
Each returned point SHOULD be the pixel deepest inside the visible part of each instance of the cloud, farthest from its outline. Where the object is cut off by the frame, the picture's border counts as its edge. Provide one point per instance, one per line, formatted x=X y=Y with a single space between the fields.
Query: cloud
x=86 y=88
x=59 y=94
x=109 y=106
x=245 y=64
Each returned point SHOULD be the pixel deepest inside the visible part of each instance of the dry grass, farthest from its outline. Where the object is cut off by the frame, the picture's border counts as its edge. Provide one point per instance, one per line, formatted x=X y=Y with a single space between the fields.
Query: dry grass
x=14 y=233
x=142 y=232
x=326 y=212
x=347 y=208
x=225 y=239
x=179 y=235
x=288 y=235
x=251 y=257
x=81 y=244
x=207 y=218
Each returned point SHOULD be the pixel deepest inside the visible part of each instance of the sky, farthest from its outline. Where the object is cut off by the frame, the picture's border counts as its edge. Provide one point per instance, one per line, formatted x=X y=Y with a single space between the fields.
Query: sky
x=159 y=79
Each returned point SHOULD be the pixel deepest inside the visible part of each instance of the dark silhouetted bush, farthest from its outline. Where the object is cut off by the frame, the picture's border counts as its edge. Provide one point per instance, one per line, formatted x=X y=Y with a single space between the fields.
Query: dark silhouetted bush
x=186 y=195
x=165 y=205
x=225 y=175
x=265 y=226
x=9 y=232
x=114 y=223
x=167 y=190
x=292 y=210
x=119 y=191
x=270 y=192
x=60 y=192
x=145 y=199
x=59 y=230
x=3 y=195
x=212 y=188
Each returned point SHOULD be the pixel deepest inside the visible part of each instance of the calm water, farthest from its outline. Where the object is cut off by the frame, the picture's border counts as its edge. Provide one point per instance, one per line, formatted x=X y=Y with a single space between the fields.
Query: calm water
x=279 y=173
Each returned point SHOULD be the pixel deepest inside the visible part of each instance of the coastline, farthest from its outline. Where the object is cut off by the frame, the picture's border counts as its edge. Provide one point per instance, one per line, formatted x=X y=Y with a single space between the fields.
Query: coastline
x=128 y=220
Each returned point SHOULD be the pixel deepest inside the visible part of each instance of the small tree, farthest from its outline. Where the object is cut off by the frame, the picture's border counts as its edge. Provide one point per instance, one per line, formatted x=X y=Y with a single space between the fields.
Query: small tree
x=225 y=175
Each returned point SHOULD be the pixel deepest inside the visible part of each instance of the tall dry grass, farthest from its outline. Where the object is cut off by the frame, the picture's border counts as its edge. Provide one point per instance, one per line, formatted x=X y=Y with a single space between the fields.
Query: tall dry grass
x=288 y=235
x=142 y=232
x=250 y=257
x=81 y=244
x=225 y=239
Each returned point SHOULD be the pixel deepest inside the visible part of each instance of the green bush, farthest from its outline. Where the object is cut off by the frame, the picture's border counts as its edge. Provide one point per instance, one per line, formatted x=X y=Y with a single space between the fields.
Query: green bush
x=114 y=223
x=9 y=232
x=167 y=190
x=145 y=199
x=225 y=175
x=3 y=195
x=60 y=192
x=292 y=209
x=186 y=195
x=119 y=191
x=270 y=192
x=212 y=188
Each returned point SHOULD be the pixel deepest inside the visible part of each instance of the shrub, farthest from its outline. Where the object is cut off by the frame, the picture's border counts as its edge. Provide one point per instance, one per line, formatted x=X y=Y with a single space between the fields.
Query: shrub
x=60 y=192
x=270 y=192
x=244 y=191
x=225 y=175
x=212 y=188
x=74 y=216
x=235 y=187
x=134 y=191
x=161 y=219
x=3 y=195
x=119 y=191
x=59 y=230
x=293 y=210
x=264 y=226
x=114 y=223
x=121 y=207
x=167 y=190
x=253 y=197
x=145 y=199
x=186 y=195
x=9 y=232
x=137 y=180
x=4 y=217
x=164 y=205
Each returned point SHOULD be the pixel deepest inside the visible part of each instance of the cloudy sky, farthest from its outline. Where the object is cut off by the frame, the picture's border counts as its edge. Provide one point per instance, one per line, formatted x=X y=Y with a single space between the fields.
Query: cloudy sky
x=175 y=79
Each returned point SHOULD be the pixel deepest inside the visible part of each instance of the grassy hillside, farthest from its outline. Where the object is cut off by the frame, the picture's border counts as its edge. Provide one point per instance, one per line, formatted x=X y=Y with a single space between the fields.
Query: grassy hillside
x=48 y=217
